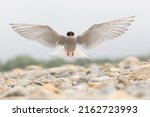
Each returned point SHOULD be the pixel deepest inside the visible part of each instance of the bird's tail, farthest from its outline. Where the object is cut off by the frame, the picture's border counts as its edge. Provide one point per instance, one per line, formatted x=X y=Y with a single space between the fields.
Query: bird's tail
x=61 y=53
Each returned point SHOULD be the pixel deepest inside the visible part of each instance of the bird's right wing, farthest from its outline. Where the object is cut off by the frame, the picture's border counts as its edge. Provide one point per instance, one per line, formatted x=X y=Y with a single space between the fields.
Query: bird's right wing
x=40 y=33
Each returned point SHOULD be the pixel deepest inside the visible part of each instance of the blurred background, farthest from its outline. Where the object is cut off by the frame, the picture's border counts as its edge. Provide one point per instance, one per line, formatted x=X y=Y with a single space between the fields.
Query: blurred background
x=75 y=15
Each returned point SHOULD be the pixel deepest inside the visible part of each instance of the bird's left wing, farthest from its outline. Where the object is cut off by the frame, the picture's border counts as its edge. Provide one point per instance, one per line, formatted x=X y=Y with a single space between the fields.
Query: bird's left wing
x=40 y=33
x=104 y=31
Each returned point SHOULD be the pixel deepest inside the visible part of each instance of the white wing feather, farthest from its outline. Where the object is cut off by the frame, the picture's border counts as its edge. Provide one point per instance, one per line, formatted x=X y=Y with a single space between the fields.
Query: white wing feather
x=104 y=31
x=40 y=33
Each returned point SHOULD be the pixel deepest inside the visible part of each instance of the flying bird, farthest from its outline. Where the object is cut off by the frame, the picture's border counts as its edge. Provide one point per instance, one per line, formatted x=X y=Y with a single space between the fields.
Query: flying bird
x=90 y=38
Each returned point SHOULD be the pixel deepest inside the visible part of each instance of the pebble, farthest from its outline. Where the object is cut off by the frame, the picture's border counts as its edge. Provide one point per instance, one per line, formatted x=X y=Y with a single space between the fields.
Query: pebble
x=81 y=87
x=62 y=83
x=97 y=85
x=107 y=90
x=23 y=82
x=14 y=93
x=129 y=62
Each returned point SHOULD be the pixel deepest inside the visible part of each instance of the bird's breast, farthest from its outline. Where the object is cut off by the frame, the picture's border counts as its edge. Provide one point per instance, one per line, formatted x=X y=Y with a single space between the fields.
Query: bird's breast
x=70 y=44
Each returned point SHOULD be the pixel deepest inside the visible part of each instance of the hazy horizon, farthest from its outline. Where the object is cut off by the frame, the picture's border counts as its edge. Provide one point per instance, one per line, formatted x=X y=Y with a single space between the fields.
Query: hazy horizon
x=75 y=15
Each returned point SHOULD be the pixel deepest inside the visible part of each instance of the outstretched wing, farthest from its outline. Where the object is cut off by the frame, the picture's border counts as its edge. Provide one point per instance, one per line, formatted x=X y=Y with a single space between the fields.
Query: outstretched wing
x=104 y=31
x=40 y=33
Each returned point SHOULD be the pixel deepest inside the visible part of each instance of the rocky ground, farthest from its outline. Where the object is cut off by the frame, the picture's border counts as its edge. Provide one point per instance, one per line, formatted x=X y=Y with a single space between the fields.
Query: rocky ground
x=129 y=79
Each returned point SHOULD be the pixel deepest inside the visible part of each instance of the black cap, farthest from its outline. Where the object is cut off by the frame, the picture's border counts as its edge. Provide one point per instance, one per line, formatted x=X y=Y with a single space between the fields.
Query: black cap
x=70 y=33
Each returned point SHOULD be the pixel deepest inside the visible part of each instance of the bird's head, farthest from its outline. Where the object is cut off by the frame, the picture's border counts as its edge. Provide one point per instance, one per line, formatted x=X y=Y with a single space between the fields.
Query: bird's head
x=70 y=34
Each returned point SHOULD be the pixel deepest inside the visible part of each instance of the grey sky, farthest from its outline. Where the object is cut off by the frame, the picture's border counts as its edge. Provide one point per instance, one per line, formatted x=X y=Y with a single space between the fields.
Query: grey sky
x=75 y=15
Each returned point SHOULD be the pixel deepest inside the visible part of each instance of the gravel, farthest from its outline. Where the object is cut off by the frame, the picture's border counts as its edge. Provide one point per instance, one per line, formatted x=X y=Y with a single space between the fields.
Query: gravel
x=129 y=79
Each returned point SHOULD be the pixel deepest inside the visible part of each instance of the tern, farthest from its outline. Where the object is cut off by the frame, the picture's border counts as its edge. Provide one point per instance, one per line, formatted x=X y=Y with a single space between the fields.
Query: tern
x=93 y=36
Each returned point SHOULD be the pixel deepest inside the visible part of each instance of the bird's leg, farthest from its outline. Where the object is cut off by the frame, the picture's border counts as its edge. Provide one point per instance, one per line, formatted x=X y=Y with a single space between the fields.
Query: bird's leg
x=67 y=53
x=72 y=53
